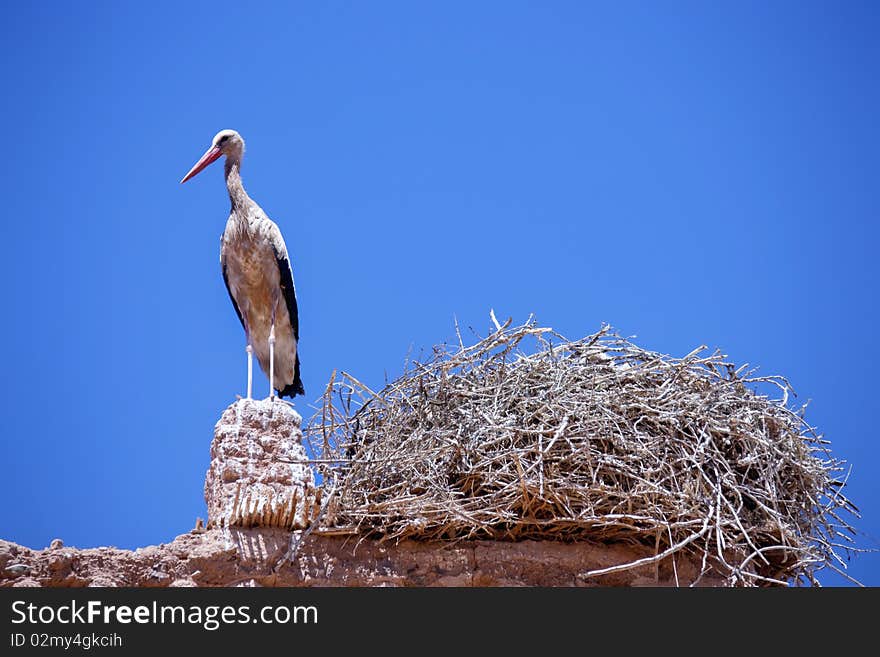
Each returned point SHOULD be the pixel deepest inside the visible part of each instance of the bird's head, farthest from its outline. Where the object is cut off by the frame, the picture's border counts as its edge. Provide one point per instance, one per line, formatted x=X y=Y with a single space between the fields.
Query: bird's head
x=225 y=142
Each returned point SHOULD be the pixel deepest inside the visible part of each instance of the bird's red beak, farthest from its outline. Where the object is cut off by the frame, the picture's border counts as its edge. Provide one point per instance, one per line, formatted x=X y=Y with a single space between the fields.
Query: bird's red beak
x=212 y=154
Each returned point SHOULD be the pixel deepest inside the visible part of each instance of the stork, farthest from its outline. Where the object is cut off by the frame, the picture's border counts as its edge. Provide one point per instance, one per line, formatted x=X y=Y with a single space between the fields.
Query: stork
x=258 y=276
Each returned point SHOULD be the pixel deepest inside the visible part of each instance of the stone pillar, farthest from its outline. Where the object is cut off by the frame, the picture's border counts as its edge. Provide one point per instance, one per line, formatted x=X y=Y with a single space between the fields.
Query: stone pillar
x=258 y=475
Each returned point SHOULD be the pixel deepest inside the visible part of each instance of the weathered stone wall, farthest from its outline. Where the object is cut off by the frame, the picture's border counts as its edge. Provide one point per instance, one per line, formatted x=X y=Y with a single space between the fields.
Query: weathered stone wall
x=256 y=557
x=259 y=475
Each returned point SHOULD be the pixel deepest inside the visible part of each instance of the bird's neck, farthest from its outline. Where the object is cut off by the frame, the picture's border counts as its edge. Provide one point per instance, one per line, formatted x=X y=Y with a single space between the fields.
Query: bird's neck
x=237 y=195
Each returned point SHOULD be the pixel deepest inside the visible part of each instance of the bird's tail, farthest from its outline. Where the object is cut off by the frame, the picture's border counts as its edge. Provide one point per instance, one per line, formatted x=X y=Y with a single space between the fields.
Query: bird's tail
x=295 y=388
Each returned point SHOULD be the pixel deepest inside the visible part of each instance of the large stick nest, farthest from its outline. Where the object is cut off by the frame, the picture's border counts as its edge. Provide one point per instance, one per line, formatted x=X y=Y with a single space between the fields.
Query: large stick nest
x=526 y=435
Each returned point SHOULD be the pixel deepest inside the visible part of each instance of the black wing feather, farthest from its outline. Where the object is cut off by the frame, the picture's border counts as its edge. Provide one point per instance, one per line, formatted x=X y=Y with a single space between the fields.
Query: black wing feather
x=289 y=292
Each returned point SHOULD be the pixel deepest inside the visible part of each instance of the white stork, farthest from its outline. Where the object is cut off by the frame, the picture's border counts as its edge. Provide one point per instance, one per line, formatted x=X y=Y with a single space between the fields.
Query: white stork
x=257 y=273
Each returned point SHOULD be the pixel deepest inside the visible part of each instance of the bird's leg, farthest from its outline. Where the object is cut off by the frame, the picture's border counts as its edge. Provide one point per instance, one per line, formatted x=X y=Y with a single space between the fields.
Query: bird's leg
x=272 y=359
x=249 y=349
x=250 y=357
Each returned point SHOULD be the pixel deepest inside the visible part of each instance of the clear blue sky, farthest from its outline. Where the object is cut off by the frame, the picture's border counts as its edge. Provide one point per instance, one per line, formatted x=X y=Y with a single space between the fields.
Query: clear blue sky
x=689 y=172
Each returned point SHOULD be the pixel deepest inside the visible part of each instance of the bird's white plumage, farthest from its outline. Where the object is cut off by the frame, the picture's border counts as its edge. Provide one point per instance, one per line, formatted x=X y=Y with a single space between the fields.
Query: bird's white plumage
x=248 y=255
x=257 y=272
